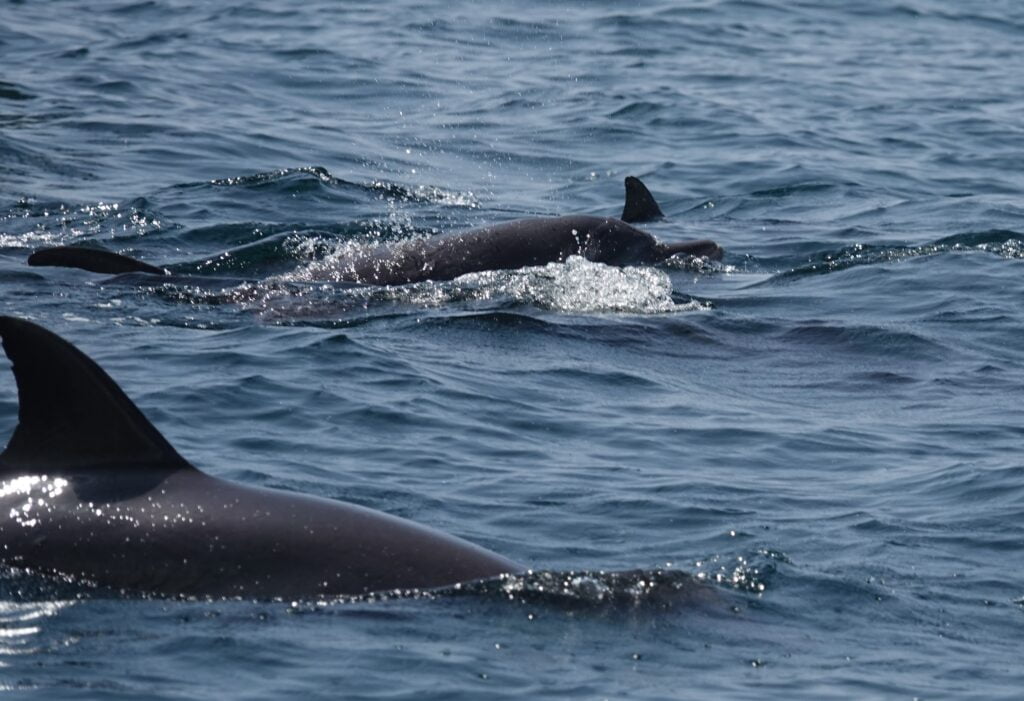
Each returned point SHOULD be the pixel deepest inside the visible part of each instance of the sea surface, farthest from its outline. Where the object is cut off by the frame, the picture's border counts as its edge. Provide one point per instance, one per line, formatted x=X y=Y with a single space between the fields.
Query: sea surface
x=796 y=473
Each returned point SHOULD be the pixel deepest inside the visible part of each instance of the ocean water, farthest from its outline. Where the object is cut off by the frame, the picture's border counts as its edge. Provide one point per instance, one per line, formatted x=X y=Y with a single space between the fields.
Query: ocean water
x=793 y=474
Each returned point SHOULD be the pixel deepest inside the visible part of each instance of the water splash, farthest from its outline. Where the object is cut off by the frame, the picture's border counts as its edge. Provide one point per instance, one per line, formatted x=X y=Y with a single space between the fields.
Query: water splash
x=748 y=573
x=624 y=589
x=577 y=286
x=595 y=591
x=580 y=286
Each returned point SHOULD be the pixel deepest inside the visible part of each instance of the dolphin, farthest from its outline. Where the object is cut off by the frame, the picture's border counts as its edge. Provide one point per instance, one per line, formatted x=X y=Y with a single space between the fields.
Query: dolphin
x=506 y=246
x=90 y=490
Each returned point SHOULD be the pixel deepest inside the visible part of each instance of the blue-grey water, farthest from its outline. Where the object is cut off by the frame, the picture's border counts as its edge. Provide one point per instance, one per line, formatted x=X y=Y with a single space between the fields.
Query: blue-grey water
x=794 y=474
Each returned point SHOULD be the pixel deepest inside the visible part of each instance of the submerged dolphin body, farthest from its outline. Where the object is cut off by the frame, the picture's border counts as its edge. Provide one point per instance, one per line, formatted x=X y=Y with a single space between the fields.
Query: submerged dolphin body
x=91 y=490
x=507 y=246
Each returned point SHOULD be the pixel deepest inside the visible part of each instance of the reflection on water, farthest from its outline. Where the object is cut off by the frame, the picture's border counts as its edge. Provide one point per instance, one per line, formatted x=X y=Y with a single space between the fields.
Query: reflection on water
x=21 y=628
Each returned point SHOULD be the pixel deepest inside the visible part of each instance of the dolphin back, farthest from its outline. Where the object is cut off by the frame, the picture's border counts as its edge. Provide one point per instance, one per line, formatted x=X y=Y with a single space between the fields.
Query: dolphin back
x=138 y=531
x=71 y=415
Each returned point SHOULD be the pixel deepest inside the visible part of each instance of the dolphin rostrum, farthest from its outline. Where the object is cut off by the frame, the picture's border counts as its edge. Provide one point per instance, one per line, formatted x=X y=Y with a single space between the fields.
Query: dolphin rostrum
x=89 y=489
x=506 y=246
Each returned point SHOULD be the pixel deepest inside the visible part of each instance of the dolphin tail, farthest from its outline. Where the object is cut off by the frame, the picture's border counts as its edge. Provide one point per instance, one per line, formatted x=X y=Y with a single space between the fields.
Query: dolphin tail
x=71 y=414
x=703 y=248
x=94 y=260
x=640 y=205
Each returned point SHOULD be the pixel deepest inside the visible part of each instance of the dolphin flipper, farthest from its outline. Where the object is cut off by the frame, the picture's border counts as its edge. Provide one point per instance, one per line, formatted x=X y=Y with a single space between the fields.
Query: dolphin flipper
x=640 y=205
x=95 y=260
x=71 y=414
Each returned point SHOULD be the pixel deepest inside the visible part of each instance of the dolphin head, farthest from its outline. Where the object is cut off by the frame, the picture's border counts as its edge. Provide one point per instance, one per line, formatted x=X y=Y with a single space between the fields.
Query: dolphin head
x=617 y=243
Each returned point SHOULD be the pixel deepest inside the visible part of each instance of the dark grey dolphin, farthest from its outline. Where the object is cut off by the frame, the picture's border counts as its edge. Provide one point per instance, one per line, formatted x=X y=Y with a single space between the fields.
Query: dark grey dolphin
x=507 y=246
x=91 y=490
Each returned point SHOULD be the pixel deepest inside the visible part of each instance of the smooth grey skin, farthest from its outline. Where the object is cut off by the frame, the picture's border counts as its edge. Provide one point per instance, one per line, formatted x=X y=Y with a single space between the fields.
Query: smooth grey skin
x=507 y=246
x=90 y=489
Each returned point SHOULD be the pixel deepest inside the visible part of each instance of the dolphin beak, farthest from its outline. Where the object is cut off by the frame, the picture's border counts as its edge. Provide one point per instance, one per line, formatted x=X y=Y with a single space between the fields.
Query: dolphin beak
x=704 y=248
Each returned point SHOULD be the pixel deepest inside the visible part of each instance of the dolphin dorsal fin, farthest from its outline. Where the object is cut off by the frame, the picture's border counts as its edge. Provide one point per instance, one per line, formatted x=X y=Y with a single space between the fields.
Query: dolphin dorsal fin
x=640 y=205
x=95 y=260
x=71 y=415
